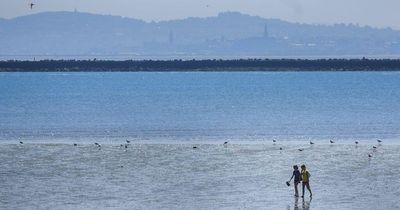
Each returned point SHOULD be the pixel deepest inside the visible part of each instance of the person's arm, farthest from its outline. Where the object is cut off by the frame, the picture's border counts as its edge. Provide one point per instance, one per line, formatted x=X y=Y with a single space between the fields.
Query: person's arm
x=291 y=177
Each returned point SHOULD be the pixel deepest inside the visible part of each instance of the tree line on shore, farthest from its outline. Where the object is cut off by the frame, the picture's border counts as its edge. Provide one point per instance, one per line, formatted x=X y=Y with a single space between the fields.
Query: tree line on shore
x=203 y=65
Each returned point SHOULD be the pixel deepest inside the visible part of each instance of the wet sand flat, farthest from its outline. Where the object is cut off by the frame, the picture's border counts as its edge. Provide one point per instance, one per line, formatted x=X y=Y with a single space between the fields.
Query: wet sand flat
x=176 y=176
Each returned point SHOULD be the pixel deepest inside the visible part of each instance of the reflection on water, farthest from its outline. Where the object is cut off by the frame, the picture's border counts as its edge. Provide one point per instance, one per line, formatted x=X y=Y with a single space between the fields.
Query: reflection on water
x=176 y=176
x=304 y=205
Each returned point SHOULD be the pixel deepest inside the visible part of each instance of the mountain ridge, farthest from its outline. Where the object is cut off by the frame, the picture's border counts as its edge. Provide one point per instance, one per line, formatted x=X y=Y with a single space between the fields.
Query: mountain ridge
x=228 y=33
x=220 y=14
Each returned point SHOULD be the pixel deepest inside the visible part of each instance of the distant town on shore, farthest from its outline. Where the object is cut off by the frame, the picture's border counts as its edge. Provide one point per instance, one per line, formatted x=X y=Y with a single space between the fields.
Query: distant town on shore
x=227 y=34
x=201 y=65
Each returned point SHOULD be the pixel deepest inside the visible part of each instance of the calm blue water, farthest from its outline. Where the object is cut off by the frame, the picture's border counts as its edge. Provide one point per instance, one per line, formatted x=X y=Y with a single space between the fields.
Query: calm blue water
x=206 y=106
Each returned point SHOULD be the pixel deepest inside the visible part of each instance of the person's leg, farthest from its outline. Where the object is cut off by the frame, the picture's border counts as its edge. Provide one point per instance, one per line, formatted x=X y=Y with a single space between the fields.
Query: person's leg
x=296 y=192
x=308 y=188
x=303 y=185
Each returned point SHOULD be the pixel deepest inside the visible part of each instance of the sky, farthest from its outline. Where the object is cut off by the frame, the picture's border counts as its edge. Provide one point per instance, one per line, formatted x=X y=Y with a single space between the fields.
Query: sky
x=376 y=13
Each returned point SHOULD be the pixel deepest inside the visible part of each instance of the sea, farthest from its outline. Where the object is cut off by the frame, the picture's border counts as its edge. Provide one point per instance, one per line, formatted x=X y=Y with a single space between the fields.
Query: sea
x=161 y=138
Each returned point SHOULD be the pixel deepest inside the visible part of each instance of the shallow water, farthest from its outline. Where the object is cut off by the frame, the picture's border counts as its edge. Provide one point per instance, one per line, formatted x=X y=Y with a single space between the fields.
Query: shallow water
x=200 y=106
x=175 y=176
x=166 y=114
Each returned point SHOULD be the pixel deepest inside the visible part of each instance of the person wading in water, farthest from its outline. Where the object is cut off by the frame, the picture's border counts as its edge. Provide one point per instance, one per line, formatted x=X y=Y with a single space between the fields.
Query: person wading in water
x=305 y=177
x=297 y=179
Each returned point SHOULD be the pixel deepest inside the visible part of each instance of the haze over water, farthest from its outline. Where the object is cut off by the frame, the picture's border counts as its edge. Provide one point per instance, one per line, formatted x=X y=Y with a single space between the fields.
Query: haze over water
x=208 y=107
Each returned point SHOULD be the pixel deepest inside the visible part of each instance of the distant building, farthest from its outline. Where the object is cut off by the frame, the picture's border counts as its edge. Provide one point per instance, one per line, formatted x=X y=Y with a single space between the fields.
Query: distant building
x=171 y=38
x=266 y=31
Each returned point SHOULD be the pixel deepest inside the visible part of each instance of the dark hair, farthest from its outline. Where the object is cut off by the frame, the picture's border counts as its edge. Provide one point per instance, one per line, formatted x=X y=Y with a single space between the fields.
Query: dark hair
x=295 y=167
x=303 y=166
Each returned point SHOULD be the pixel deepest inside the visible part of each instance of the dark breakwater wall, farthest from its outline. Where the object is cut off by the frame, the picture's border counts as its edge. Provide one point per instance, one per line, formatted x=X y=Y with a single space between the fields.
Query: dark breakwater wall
x=202 y=65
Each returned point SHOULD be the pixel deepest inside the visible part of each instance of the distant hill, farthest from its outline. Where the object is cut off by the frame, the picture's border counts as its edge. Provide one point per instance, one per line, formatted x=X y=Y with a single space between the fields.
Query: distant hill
x=229 y=33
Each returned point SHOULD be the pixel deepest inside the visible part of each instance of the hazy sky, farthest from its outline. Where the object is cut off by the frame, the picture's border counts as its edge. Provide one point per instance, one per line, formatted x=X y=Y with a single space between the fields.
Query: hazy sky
x=381 y=13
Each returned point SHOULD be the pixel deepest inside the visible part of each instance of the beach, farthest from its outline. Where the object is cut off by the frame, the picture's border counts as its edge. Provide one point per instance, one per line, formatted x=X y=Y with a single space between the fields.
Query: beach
x=213 y=176
x=192 y=105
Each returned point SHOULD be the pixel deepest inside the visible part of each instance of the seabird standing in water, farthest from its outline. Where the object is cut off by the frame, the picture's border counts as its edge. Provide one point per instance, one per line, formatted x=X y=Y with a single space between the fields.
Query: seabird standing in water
x=331 y=141
x=311 y=142
x=31 y=5
x=356 y=142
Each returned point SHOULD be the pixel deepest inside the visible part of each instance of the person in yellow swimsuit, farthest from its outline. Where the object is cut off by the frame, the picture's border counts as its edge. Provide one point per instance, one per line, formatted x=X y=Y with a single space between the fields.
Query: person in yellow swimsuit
x=305 y=177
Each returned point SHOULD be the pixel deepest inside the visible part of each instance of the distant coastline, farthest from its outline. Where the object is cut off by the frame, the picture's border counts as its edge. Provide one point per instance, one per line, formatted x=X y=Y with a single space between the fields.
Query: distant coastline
x=54 y=34
x=207 y=65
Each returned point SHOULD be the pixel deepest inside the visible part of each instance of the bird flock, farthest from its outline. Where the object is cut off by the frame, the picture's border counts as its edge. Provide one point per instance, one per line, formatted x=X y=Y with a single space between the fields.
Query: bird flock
x=225 y=144
x=331 y=142
x=374 y=147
